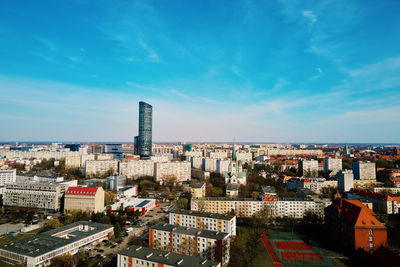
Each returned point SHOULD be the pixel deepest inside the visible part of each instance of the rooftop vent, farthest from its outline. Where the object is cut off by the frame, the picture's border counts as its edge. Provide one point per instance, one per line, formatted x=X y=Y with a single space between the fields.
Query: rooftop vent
x=179 y=262
x=203 y=261
x=167 y=254
x=149 y=255
x=137 y=249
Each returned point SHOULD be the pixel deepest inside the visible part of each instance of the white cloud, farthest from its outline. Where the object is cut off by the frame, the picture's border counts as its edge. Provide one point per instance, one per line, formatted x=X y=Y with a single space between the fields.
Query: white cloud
x=319 y=70
x=74 y=59
x=310 y=15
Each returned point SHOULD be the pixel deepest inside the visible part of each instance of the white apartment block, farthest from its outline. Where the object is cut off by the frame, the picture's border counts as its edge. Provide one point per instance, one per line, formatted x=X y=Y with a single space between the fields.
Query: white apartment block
x=210 y=221
x=209 y=165
x=33 y=195
x=8 y=176
x=247 y=207
x=222 y=166
x=136 y=168
x=37 y=154
x=135 y=256
x=99 y=167
x=161 y=158
x=190 y=241
x=38 y=250
x=217 y=155
x=345 y=180
x=181 y=170
x=308 y=167
x=244 y=156
x=78 y=161
x=197 y=154
x=364 y=170
x=334 y=165
x=291 y=152
x=196 y=162
x=314 y=184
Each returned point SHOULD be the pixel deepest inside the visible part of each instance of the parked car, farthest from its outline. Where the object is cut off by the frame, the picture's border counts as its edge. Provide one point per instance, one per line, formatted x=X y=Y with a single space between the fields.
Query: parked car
x=100 y=250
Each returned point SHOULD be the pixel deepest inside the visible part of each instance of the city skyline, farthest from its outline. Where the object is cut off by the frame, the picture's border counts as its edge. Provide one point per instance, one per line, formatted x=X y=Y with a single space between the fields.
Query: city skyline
x=281 y=71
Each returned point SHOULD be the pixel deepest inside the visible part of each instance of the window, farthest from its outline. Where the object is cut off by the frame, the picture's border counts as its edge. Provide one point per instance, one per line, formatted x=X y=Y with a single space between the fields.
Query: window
x=371 y=245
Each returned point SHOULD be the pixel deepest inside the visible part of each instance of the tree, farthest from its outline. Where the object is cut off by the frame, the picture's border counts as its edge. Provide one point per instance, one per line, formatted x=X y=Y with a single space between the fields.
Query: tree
x=238 y=252
x=117 y=231
x=183 y=203
x=109 y=198
x=53 y=224
x=135 y=240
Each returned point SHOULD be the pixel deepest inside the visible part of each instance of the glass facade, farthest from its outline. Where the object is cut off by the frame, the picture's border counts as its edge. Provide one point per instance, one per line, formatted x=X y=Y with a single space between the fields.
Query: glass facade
x=144 y=139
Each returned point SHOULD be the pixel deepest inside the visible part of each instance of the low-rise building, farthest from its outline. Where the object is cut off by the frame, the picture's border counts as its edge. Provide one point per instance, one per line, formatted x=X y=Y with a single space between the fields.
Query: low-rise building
x=355 y=225
x=143 y=205
x=135 y=256
x=191 y=241
x=232 y=190
x=210 y=221
x=128 y=191
x=87 y=199
x=200 y=174
x=198 y=190
x=38 y=250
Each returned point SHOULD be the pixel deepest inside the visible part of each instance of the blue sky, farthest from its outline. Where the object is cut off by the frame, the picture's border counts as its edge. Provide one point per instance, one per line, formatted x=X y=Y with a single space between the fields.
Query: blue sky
x=256 y=71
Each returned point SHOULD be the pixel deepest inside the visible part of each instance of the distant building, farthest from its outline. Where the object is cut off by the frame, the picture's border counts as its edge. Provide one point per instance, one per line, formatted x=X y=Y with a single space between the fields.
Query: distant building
x=8 y=176
x=73 y=147
x=100 y=167
x=38 y=250
x=180 y=170
x=332 y=165
x=137 y=168
x=355 y=225
x=210 y=221
x=345 y=180
x=364 y=170
x=198 y=190
x=87 y=199
x=144 y=256
x=115 y=182
x=308 y=167
x=143 y=205
x=143 y=142
x=223 y=165
x=114 y=149
x=209 y=164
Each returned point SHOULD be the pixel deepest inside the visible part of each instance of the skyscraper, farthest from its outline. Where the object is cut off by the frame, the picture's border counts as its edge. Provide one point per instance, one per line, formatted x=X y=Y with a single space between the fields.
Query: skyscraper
x=143 y=142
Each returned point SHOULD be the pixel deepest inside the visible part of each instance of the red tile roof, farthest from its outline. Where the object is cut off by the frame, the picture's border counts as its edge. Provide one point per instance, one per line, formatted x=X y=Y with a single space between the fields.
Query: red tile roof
x=77 y=190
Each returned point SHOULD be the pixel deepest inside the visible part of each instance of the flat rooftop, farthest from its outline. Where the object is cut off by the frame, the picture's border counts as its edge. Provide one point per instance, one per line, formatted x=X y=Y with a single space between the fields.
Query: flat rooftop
x=204 y=214
x=190 y=231
x=48 y=241
x=166 y=258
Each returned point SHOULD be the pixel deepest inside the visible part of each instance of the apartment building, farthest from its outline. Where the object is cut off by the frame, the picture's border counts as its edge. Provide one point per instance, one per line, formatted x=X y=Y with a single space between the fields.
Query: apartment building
x=244 y=156
x=31 y=194
x=223 y=165
x=191 y=241
x=136 y=256
x=196 y=162
x=247 y=207
x=136 y=168
x=332 y=165
x=345 y=180
x=99 y=167
x=204 y=220
x=308 y=167
x=180 y=170
x=87 y=199
x=355 y=225
x=364 y=170
x=209 y=165
x=313 y=184
x=8 y=176
x=38 y=250
x=78 y=161
x=198 y=190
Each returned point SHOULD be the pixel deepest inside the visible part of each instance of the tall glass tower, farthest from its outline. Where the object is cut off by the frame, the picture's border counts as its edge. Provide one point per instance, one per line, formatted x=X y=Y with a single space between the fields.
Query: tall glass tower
x=143 y=142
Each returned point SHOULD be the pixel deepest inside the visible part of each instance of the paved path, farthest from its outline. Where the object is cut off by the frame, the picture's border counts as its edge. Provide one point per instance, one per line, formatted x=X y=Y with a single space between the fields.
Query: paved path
x=271 y=251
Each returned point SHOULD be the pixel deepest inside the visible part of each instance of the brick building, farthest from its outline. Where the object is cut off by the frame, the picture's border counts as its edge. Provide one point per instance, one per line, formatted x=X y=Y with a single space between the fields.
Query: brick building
x=355 y=225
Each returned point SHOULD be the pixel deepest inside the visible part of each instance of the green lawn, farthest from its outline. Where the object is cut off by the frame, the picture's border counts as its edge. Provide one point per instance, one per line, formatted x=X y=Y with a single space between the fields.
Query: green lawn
x=7 y=239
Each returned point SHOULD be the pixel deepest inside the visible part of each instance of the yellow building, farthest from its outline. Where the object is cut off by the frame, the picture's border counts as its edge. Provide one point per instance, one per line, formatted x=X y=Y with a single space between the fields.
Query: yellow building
x=88 y=199
x=198 y=190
